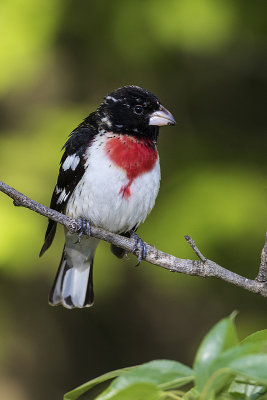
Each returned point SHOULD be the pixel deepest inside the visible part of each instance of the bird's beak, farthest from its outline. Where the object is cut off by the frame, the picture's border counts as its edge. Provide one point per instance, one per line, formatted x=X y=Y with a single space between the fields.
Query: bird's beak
x=161 y=117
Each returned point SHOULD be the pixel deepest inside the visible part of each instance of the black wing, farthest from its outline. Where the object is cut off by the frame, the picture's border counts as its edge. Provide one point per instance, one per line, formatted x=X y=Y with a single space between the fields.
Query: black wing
x=70 y=173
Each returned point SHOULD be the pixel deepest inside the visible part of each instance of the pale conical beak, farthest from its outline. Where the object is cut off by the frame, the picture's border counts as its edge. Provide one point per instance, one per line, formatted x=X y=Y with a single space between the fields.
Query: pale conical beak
x=161 y=117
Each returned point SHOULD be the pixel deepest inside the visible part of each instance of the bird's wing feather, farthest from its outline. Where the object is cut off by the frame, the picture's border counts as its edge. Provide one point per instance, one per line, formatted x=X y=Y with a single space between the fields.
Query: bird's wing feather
x=70 y=173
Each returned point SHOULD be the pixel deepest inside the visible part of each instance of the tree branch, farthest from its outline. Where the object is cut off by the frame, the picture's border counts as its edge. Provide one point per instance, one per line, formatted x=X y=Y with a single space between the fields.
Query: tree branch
x=262 y=275
x=203 y=267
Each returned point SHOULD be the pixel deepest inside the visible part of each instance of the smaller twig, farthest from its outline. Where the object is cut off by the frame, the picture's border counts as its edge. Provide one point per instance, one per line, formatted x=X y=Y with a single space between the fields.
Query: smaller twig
x=262 y=275
x=195 y=248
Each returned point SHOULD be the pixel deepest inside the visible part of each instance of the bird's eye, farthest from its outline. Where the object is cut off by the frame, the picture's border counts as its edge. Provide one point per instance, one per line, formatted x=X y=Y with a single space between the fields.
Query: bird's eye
x=138 y=109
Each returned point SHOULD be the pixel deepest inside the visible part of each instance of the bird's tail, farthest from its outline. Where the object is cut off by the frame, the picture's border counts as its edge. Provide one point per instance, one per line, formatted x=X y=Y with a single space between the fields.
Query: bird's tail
x=73 y=285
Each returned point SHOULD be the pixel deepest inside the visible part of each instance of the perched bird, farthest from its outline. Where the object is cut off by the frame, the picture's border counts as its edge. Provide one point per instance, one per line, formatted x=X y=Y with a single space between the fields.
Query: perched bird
x=109 y=177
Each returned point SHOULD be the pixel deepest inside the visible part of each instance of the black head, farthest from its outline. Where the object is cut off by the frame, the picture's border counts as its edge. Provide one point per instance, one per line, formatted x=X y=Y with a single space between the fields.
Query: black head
x=133 y=110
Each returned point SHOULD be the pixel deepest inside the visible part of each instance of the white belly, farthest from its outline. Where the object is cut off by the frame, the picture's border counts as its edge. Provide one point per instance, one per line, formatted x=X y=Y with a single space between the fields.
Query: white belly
x=98 y=196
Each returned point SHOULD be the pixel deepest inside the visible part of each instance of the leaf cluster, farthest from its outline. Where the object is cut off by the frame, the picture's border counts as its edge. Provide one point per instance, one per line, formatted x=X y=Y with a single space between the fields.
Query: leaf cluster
x=224 y=368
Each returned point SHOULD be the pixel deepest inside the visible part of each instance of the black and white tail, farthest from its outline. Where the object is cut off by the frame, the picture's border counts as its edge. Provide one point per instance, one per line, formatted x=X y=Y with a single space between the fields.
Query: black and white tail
x=73 y=285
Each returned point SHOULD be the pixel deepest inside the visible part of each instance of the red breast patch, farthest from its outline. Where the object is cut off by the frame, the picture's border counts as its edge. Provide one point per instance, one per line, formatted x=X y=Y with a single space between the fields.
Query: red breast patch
x=134 y=156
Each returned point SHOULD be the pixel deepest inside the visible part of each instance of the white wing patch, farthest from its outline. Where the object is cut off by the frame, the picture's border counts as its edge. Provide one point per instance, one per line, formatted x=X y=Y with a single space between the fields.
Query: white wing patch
x=58 y=190
x=63 y=197
x=71 y=162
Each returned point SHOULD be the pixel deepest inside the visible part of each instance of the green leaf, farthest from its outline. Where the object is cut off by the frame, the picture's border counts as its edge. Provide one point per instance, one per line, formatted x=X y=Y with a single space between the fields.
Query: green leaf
x=259 y=337
x=137 y=391
x=220 y=338
x=224 y=368
x=76 y=393
x=253 y=366
x=163 y=374
x=226 y=359
x=166 y=374
x=192 y=394
x=216 y=383
x=244 y=389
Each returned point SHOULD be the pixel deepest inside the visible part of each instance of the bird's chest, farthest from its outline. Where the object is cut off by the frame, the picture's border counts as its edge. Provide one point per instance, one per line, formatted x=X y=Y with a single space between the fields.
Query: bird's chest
x=120 y=183
x=133 y=157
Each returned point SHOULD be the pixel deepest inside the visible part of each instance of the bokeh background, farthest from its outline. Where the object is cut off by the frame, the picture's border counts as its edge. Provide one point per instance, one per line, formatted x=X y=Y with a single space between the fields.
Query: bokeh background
x=206 y=61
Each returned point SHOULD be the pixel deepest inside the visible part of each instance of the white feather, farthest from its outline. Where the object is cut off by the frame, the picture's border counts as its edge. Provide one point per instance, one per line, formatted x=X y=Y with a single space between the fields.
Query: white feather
x=112 y=99
x=79 y=257
x=58 y=190
x=75 y=285
x=98 y=196
x=63 y=196
x=71 y=162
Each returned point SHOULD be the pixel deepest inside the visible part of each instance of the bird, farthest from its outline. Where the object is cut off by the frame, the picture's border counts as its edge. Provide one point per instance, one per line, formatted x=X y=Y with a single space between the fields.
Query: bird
x=109 y=177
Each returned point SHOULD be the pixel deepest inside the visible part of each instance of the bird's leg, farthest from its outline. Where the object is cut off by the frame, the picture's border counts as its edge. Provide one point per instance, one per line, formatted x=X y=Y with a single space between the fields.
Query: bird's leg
x=84 y=227
x=142 y=246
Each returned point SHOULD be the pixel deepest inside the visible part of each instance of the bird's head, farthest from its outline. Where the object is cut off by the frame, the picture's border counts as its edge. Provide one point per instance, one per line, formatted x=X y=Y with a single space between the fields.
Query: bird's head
x=134 y=111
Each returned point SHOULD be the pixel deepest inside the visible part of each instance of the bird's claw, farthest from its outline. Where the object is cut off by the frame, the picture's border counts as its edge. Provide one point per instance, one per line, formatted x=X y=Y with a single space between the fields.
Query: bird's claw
x=142 y=248
x=84 y=228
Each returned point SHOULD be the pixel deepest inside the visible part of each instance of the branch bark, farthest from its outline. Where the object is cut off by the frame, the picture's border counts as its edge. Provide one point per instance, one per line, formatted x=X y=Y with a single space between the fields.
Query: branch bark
x=262 y=274
x=202 y=267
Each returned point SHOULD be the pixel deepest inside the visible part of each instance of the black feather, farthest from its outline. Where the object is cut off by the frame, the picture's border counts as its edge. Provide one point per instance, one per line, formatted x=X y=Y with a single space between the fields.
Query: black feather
x=89 y=298
x=49 y=236
x=78 y=142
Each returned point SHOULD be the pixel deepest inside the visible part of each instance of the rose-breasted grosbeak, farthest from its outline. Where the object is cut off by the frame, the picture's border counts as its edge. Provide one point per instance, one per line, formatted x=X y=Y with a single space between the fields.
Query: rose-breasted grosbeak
x=109 y=176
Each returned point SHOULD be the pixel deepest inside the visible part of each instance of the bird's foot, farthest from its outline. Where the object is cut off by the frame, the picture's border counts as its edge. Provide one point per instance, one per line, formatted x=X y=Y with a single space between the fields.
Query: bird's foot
x=141 y=248
x=84 y=228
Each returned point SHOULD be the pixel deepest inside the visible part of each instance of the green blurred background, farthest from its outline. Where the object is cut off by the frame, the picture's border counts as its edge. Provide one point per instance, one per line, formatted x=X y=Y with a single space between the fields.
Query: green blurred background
x=206 y=61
